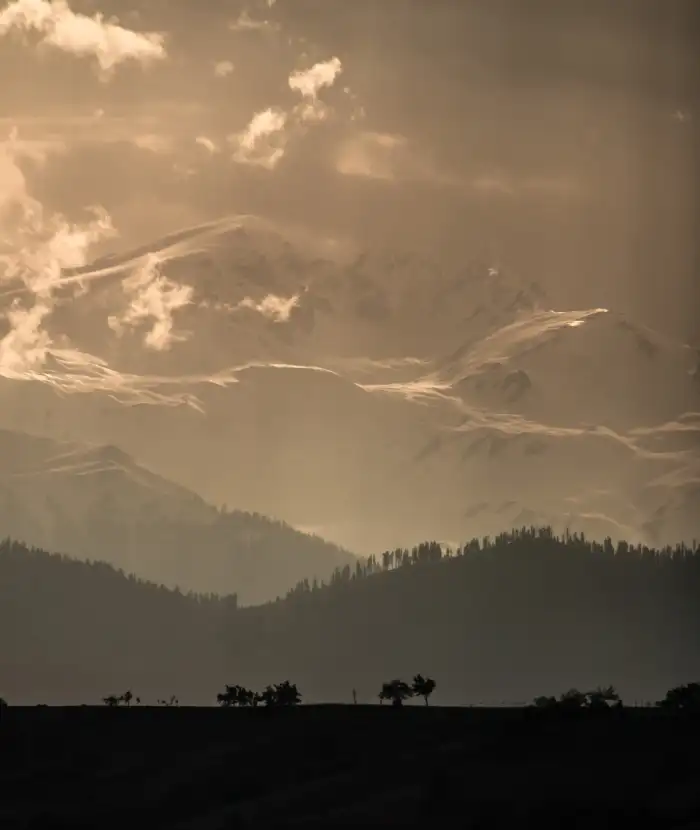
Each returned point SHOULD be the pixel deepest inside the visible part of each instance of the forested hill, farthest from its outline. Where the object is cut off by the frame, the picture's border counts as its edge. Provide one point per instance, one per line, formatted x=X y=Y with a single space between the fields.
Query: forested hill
x=74 y=632
x=496 y=621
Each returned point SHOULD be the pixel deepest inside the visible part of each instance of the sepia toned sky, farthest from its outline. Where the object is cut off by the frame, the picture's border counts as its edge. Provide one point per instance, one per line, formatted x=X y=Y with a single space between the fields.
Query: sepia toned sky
x=557 y=136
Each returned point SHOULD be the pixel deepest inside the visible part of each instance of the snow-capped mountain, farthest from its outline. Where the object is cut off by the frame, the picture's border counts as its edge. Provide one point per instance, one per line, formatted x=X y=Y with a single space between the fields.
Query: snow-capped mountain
x=96 y=502
x=376 y=397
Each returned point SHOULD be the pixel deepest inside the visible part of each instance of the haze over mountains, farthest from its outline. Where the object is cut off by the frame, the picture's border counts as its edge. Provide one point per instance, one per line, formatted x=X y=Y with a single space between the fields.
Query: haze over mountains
x=375 y=397
x=96 y=503
x=374 y=274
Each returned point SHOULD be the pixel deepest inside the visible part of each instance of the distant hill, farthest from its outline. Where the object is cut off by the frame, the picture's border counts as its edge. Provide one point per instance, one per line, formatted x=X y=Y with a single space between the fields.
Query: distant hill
x=78 y=631
x=96 y=502
x=497 y=621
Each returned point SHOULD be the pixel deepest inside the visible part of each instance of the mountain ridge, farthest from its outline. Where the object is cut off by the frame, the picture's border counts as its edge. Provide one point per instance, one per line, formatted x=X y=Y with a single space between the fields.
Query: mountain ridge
x=87 y=500
x=323 y=375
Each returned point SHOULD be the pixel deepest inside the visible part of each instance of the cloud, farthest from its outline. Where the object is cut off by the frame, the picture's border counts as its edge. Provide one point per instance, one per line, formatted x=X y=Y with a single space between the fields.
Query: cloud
x=262 y=142
x=245 y=23
x=79 y=34
x=222 y=69
x=13 y=186
x=389 y=157
x=152 y=296
x=153 y=142
x=372 y=155
x=35 y=251
x=207 y=144
x=276 y=308
x=310 y=82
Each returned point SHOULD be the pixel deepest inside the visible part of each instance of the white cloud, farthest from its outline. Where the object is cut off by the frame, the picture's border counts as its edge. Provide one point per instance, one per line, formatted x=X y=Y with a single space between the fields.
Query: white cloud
x=263 y=141
x=34 y=251
x=207 y=144
x=152 y=296
x=222 y=69
x=276 y=308
x=79 y=34
x=310 y=82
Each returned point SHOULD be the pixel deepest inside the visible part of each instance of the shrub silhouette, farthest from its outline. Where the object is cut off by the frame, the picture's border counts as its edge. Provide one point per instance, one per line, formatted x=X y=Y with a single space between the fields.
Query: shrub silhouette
x=423 y=687
x=171 y=701
x=281 y=694
x=396 y=691
x=118 y=700
x=287 y=694
x=601 y=698
x=229 y=697
x=685 y=698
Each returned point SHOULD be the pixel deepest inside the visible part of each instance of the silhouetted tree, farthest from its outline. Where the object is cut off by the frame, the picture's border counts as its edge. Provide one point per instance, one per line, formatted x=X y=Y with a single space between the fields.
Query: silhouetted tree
x=396 y=691
x=685 y=698
x=236 y=696
x=269 y=696
x=599 y=699
x=423 y=687
x=227 y=697
x=602 y=698
x=573 y=699
x=112 y=700
x=287 y=694
x=171 y=701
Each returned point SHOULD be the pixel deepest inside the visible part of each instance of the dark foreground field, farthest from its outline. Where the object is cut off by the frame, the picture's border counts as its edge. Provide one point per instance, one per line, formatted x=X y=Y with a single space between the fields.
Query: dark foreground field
x=351 y=766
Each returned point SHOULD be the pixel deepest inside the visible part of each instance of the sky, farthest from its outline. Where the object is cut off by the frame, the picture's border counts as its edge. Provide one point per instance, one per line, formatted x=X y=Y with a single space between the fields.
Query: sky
x=558 y=137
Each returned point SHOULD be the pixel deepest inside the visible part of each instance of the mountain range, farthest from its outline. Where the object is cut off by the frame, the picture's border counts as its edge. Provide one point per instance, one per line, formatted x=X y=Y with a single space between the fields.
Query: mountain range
x=95 y=502
x=372 y=397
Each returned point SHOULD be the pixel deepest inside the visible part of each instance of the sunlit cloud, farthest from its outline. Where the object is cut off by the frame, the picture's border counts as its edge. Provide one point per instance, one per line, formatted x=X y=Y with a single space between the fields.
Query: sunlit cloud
x=207 y=144
x=262 y=142
x=152 y=297
x=222 y=69
x=34 y=252
x=275 y=308
x=309 y=82
x=60 y=27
